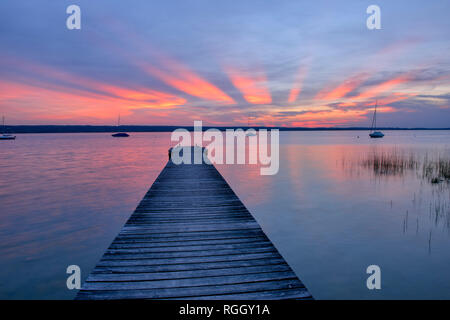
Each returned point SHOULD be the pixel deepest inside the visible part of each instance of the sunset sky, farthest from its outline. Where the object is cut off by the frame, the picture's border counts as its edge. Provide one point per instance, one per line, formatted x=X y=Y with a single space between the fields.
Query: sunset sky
x=277 y=63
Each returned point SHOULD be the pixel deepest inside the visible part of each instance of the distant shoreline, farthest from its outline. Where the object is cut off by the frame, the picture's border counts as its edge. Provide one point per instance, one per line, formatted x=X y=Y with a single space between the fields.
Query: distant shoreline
x=133 y=128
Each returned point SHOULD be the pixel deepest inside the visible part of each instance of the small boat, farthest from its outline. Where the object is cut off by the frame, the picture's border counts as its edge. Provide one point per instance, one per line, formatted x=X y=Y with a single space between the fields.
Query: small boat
x=4 y=135
x=249 y=133
x=376 y=134
x=120 y=134
x=373 y=133
x=7 y=137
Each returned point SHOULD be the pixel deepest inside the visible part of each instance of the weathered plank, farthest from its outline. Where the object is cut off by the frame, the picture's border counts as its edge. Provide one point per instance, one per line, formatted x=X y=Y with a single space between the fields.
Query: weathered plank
x=291 y=293
x=125 y=249
x=188 y=243
x=189 y=282
x=147 y=276
x=192 y=238
x=199 y=259
x=190 y=266
x=194 y=292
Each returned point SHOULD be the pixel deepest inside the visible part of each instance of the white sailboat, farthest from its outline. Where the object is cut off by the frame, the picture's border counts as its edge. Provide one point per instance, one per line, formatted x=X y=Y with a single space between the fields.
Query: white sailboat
x=120 y=134
x=249 y=133
x=373 y=130
x=4 y=135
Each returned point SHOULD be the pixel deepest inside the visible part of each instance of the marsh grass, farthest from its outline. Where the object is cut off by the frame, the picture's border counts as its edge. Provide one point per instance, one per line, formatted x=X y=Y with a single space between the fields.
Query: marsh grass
x=431 y=168
x=389 y=162
x=437 y=171
x=396 y=162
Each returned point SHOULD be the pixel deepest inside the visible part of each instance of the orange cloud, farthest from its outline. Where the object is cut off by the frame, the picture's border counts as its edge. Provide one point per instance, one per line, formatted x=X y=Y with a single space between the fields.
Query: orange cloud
x=149 y=98
x=170 y=71
x=382 y=87
x=68 y=82
x=333 y=117
x=185 y=80
x=57 y=103
x=315 y=124
x=298 y=84
x=396 y=96
x=383 y=109
x=343 y=89
x=252 y=88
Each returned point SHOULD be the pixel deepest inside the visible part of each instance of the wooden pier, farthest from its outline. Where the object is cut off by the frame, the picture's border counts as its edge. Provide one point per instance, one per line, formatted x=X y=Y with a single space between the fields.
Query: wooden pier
x=192 y=238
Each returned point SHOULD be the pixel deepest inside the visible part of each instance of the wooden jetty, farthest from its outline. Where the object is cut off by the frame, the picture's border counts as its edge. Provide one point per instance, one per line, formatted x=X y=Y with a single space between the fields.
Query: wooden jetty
x=192 y=238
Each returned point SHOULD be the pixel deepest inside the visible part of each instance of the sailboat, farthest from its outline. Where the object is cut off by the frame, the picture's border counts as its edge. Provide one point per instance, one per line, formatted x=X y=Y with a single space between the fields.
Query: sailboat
x=4 y=135
x=120 y=134
x=373 y=133
x=249 y=133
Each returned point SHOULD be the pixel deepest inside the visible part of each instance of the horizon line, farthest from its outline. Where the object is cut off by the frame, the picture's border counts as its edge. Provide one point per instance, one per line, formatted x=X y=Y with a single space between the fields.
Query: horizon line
x=87 y=128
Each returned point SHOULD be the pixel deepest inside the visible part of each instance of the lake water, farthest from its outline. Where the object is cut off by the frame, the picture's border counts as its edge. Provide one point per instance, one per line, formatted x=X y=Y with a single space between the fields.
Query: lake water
x=64 y=197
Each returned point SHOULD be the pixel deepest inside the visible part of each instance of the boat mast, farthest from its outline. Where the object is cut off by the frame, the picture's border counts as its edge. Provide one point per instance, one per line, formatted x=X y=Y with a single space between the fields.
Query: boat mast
x=374 y=119
x=375 y=116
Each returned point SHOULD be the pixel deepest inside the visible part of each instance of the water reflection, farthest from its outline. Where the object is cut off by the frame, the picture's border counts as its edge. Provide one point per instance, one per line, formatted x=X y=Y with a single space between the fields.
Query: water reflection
x=427 y=169
x=331 y=217
x=64 y=197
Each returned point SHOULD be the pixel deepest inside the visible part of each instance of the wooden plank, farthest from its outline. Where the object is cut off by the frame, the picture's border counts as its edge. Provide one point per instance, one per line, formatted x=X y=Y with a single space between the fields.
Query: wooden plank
x=186 y=227
x=126 y=249
x=191 y=292
x=184 y=240
x=189 y=243
x=291 y=293
x=209 y=258
x=191 y=237
x=114 y=255
x=179 y=236
x=190 y=266
x=189 y=282
x=96 y=277
x=181 y=228
x=173 y=217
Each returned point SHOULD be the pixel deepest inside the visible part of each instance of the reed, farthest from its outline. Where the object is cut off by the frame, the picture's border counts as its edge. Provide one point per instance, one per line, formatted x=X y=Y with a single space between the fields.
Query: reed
x=436 y=170
x=392 y=162
x=396 y=162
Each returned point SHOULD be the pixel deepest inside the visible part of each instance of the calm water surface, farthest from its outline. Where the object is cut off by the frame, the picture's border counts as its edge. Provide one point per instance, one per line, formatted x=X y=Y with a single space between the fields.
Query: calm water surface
x=64 y=197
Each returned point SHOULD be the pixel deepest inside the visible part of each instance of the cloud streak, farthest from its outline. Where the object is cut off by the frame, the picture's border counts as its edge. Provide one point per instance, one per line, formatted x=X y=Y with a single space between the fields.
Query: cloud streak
x=343 y=89
x=182 y=78
x=298 y=84
x=253 y=86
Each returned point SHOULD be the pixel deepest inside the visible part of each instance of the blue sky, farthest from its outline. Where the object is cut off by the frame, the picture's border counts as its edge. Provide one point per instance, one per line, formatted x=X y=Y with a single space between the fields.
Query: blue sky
x=287 y=63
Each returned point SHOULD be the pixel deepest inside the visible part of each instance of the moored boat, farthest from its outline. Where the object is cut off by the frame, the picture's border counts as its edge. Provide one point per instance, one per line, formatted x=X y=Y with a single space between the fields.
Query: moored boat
x=4 y=135
x=373 y=133
x=120 y=134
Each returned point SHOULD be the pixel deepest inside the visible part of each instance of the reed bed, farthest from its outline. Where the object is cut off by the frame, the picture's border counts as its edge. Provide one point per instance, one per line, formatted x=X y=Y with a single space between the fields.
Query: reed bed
x=396 y=162
x=389 y=162
x=431 y=167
